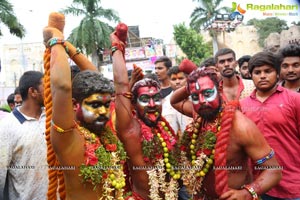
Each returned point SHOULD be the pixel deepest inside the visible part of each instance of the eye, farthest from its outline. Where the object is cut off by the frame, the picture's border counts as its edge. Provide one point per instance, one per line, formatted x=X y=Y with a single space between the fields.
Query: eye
x=194 y=97
x=157 y=98
x=95 y=105
x=144 y=98
x=107 y=104
x=208 y=93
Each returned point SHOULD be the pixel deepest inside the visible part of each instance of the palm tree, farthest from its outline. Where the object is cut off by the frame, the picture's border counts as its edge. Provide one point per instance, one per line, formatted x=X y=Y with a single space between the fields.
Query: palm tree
x=203 y=13
x=92 y=34
x=8 y=18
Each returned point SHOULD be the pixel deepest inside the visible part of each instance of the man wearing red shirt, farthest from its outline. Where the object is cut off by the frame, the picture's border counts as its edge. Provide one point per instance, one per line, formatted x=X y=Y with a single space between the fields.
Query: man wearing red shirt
x=276 y=112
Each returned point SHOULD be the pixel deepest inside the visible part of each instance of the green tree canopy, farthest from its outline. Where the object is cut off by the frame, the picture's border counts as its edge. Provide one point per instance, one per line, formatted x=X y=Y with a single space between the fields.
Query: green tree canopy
x=206 y=10
x=92 y=34
x=8 y=18
x=191 y=43
x=266 y=26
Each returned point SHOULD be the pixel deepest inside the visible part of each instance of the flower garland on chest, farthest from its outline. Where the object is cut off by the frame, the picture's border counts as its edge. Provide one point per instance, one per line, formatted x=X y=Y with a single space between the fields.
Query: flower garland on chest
x=197 y=151
x=104 y=160
x=162 y=158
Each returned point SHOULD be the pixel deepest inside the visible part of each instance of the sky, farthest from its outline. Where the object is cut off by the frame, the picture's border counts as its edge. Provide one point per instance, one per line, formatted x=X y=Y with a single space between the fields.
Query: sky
x=155 y=18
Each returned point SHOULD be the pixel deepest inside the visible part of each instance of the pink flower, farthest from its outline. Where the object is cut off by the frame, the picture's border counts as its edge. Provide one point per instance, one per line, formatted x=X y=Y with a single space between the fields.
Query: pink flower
x=90 y=156
x=147 y=133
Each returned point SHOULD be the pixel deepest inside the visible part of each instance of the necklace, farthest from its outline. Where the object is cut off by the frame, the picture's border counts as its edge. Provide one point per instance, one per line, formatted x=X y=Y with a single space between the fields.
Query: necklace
x=162 y=157
x=197 y=151
x=104 y=160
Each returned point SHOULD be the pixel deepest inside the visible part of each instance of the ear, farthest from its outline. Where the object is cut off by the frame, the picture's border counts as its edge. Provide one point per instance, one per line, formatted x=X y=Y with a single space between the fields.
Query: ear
x=75 y=104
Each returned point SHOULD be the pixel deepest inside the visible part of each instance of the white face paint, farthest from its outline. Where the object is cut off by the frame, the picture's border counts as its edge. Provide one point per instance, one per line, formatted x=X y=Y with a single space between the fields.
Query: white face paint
x=144 y=99
x=207 y=95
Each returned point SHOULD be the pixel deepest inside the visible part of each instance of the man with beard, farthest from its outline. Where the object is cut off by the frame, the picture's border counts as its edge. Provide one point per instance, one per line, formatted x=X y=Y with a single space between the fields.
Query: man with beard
x=218 y=144
x=233 y=87
x=22 y=144
x=276 y=112
x=147 y=137
x=290 y=67
x=89 y=152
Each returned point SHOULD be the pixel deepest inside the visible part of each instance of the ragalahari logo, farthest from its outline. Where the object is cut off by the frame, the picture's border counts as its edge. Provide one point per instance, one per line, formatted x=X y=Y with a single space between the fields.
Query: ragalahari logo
x=236 y=10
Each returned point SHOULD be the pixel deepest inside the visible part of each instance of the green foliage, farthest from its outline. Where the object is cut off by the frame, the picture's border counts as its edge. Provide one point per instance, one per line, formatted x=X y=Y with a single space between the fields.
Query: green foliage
x=206 y=10
x=8 y=18
x=192 y=43
x=92 y=34
x=266 y=26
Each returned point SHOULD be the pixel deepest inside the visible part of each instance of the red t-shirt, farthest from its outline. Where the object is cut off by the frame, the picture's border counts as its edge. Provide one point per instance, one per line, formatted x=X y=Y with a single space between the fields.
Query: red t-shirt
x=278 y=118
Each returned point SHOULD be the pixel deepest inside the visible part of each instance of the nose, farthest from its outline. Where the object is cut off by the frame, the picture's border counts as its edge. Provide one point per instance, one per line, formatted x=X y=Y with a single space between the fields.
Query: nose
x=201 y=99
x=290 y=68
x=151 y=103
x=102 y=110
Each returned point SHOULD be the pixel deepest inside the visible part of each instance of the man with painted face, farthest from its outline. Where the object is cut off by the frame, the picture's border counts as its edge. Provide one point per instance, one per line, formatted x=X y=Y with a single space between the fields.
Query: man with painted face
x=88 y=151
x=148 y=139
x=218 y=144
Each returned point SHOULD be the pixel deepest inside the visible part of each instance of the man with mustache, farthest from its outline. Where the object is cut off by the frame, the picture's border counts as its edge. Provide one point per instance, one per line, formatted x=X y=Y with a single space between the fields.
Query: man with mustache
x=290 y=67
x=219 y=143
x=148 y=138
x=233 y=87
x=276 y=112
x=89 y=153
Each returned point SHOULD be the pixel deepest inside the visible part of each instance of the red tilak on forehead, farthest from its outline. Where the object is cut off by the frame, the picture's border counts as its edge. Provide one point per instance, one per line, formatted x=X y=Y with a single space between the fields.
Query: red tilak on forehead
x=104 y=98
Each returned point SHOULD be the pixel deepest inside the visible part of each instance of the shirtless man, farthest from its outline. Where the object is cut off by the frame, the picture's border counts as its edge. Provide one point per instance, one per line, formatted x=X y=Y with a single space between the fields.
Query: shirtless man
x=147 y=136
x=219 y=143
x=80 y=136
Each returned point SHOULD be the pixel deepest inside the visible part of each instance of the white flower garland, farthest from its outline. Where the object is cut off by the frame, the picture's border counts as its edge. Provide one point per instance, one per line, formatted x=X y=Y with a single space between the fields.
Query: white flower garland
x=157 y=183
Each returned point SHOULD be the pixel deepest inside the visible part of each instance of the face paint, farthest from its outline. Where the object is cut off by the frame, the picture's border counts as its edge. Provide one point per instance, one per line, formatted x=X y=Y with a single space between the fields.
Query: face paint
x=149 y=105
x=208 y=95
x=205 y=100
x=95 y=110
x=145 y=99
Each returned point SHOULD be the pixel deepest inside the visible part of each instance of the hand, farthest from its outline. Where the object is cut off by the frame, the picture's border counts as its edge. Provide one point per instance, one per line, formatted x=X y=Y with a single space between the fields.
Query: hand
x=233 y=194
x=50 y=32
x=114 y=38
x=187 y=66
x=136 y=75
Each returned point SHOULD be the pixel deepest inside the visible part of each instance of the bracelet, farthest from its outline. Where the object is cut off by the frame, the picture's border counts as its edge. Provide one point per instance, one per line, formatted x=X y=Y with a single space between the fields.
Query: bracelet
x=251 y=191
x=60 y=130
x=264 y=159
x=78 y=51
x=54 y=41
x=117 y=46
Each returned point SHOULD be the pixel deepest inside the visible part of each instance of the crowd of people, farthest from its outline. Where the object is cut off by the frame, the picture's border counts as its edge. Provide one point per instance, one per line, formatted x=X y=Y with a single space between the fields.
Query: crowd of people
x=225 y=128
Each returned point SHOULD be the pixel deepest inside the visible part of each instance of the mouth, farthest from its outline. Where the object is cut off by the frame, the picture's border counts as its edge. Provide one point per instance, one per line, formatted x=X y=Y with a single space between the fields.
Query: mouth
x=152 y=115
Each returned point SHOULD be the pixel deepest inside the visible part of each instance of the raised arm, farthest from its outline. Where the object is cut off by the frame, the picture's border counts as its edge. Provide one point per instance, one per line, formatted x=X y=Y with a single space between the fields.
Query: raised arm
x=181 y=102
x=61 y=89
x=128 y=128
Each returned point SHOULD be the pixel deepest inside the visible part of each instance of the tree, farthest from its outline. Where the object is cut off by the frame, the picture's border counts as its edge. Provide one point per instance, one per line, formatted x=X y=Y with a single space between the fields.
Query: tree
x=8 y=18
x=191 y=43
x=266 y=26
x=206 y=10
x=92 y=34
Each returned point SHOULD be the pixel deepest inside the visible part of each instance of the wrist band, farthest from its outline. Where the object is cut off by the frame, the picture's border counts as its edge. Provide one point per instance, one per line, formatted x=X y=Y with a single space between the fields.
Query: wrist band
x=60 y=130
x=54 y=41
x=264 y=159
x=78 y=51
x=117 y=46
x=251 y=191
